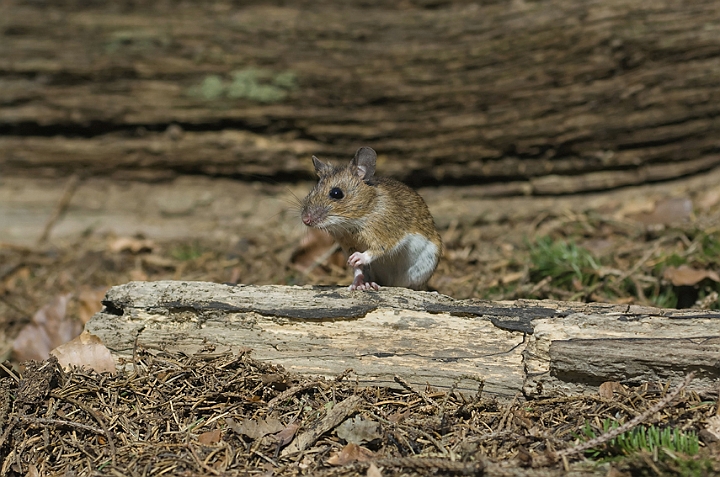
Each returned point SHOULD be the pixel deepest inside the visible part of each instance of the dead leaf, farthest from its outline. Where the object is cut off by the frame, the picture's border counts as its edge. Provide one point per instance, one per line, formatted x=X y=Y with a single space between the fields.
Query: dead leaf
x=90 y=302
x=87 y=350
x=349 y=454
x=235 y=274
x=713 y=426
x=608 y=389
x=285 y=436
x=709 y=199
x=358 y=430
x=316 y=248
x=159 y=262
x=32 y=471
x=686 y=276
x=668 y=211
x=399 y=416
x=138 y=275
x=256 y=428
x=306 y=462
x=373 y=471
x=210 y=437
x=131 y=244
x=613 y=472
x=512 y=277
x=278 y=382
x=50 y=327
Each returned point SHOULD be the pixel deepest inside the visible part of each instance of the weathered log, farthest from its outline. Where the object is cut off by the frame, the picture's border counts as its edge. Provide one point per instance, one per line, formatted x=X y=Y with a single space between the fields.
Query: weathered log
x=617 y=92
x=628 y=359
x=537 y=347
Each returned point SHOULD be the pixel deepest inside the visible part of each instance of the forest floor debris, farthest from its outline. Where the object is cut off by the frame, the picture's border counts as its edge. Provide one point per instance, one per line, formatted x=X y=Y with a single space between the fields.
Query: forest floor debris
x=228 y=414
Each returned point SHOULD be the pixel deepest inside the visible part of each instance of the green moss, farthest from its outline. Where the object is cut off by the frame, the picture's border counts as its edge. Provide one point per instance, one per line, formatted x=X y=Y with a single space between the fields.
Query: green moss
x=212 y=87
x=252 y=84
x=665 y=443
x=187 y=252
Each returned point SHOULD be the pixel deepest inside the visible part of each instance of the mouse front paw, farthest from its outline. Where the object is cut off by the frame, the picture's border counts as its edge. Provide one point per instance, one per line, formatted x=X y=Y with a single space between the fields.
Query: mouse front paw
x=358 y=259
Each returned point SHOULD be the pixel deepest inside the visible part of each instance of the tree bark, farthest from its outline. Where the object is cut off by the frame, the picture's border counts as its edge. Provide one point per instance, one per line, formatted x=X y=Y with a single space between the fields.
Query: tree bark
x=564 y=95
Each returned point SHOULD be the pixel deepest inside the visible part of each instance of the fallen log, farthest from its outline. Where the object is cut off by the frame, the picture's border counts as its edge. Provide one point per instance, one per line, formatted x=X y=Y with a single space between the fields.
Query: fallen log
x=560 y=96
x=539 y=348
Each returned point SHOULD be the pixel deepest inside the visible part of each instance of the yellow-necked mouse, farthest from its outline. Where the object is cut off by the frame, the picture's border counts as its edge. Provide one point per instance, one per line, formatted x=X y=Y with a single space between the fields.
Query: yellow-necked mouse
x=382 y=224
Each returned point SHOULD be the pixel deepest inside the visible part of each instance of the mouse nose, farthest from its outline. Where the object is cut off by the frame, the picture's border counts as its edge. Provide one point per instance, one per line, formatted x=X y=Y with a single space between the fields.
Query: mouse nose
x=313 y=215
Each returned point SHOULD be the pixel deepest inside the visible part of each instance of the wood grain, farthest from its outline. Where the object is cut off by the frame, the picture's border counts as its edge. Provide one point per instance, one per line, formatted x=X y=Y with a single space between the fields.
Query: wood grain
x=562 y=95
x=537 y=347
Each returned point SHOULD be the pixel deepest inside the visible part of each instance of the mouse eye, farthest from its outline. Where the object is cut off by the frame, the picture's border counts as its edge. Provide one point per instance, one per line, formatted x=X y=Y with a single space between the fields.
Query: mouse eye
x=336 y=193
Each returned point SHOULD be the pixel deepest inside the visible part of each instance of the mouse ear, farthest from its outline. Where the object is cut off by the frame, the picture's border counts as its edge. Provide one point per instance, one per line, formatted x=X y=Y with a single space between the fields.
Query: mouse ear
x=364 y=162
x=321 y=168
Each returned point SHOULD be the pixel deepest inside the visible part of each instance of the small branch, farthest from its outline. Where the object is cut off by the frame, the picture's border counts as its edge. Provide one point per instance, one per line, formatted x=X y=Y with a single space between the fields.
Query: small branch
x=95 y=415
x=291 y=392
x=70 y=188
x=9 y=428
x=321 y=259
x=429 y=464
x=421 y=395
x=10 y=373
x=506 y=414
x=59 y=422
x=332 y=419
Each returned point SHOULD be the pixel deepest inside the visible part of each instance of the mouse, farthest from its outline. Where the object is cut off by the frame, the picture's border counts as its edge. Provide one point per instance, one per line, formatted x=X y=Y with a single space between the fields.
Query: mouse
x=383 y=225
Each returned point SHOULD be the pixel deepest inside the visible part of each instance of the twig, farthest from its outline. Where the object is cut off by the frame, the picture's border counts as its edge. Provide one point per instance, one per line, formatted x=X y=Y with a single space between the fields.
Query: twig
x=320 y=259
x=506 y=414
x=201 y=463
x=540 y=285
x=611 y=434
x=135 y=351
x=419 y=431
x=9 y=428
x=344 y=375
x=62 y=205
x=9 y=371
x=428 y=464
x=646 y=256
x=422 y=395
x=332 y=419
x=15 y=307
x=95 y=416
x=59 y=422
x=291 y=392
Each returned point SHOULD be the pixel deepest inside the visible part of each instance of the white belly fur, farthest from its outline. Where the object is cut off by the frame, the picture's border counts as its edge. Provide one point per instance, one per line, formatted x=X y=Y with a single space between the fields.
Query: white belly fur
x=410 y=264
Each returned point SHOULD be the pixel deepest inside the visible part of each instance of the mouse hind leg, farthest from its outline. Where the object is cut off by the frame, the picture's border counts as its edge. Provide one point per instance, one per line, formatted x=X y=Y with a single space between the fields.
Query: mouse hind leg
x=362 y=281
x=410 y=264
x=424 y=259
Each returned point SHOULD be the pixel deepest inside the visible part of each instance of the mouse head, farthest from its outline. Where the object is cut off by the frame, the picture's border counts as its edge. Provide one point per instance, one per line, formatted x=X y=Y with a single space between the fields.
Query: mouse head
x=343 y=194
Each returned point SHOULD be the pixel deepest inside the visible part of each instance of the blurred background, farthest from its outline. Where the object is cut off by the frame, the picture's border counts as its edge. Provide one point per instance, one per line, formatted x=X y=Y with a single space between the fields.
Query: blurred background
x=567 y=149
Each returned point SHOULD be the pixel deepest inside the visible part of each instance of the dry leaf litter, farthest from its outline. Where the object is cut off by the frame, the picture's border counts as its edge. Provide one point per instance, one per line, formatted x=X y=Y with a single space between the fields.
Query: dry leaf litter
x=226 y=414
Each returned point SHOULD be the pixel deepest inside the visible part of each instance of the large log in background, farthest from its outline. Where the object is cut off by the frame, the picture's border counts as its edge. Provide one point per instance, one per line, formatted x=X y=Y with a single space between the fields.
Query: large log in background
x=539 y=348
x=615 y=92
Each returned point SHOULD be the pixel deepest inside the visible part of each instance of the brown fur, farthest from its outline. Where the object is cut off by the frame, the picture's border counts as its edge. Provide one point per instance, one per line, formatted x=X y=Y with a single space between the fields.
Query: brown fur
x=376 y=213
